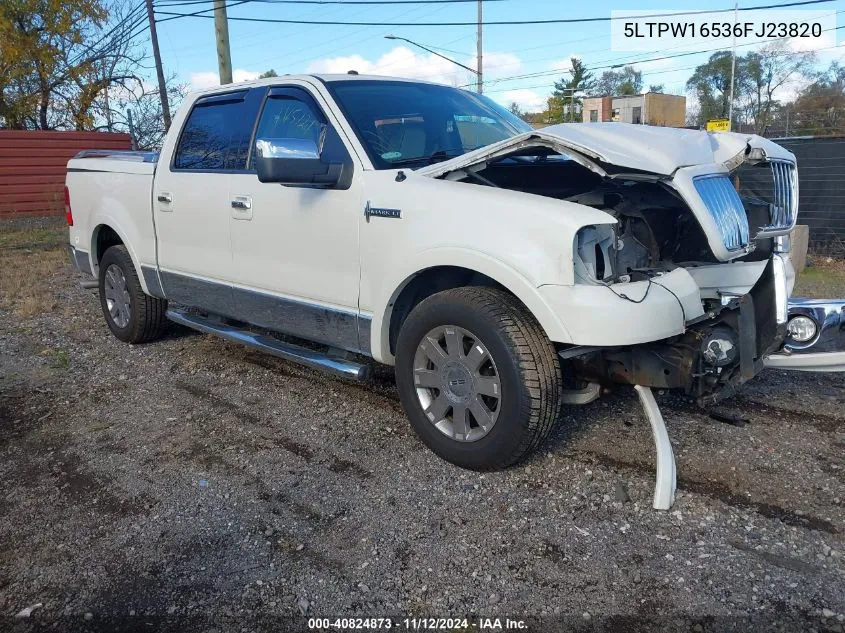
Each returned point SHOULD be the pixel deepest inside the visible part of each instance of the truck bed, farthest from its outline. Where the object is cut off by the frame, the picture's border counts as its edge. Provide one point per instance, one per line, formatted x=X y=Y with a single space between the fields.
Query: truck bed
x=112 y=189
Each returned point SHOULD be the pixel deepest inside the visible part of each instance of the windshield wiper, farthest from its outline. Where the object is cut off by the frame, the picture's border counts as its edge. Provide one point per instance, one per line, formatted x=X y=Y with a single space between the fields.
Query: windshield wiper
x=436 y=157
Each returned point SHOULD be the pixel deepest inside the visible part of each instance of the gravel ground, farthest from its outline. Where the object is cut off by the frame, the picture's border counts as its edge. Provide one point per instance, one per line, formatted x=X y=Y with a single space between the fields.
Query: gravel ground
x=192 y=484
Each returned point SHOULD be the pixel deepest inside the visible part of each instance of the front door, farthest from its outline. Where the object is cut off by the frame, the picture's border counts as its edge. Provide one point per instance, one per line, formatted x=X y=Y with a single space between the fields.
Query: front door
x=295 y=260
x=191 y=199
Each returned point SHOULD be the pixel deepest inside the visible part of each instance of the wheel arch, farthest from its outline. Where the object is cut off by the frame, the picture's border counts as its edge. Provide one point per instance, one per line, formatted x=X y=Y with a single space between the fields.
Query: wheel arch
x=106 y=234
x=465 y=268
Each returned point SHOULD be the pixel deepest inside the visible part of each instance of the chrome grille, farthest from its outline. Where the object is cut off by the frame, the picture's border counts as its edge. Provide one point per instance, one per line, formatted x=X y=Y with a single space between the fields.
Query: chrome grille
x=783 y=210
x=721 y=199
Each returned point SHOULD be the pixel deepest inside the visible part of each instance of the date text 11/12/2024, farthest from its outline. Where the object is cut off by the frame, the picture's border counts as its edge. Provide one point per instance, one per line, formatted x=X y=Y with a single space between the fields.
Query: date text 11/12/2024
x=417 y=624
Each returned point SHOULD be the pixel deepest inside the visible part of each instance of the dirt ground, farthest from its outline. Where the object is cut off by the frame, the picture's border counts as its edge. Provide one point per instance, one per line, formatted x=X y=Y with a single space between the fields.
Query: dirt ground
x=192 y=484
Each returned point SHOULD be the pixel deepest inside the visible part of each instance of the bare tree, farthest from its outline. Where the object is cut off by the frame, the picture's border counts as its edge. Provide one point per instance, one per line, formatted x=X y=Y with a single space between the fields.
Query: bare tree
x=773 y=67
x=145 y=106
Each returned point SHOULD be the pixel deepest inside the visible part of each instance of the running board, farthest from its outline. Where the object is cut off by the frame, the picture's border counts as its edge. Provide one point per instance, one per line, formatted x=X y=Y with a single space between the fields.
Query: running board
x=302 y=355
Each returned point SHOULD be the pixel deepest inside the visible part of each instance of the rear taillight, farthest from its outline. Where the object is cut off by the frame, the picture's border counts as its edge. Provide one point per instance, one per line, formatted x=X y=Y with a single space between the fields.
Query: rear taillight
x=68 y=212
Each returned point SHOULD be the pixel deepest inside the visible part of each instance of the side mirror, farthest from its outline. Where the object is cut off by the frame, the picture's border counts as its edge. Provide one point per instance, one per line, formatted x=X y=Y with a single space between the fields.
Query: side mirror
x=294 y=161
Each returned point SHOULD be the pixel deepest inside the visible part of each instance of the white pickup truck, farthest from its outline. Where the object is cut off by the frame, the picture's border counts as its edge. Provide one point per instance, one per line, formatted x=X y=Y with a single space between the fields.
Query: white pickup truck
x=503 y=271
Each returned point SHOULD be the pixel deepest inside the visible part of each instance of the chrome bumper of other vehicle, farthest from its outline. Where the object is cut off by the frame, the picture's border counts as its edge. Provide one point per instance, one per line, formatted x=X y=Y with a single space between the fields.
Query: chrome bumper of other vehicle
x=823 y=346
x=823 y=361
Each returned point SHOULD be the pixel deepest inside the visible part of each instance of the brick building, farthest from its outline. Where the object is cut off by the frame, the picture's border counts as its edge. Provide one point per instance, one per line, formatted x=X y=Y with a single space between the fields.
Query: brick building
x=651 y=108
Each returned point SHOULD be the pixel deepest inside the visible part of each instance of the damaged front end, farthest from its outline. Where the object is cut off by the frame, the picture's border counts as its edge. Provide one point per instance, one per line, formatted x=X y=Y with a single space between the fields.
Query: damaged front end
x=744 y=315
x=688 y=289
x=719 y=351
x=684 y=284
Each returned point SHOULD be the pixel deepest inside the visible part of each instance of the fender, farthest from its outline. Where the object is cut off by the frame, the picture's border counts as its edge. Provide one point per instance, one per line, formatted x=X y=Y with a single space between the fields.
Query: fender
x=499 y=271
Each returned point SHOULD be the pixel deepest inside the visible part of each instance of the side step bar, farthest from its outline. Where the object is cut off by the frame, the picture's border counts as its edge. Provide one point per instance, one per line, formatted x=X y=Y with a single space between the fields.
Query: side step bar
x=302 y=355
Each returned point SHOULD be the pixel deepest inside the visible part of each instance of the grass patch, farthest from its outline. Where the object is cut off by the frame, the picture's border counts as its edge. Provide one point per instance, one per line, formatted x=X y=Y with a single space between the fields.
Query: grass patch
x=14 y=236
x=823 y=280
x=58 y=358
x=29 y=256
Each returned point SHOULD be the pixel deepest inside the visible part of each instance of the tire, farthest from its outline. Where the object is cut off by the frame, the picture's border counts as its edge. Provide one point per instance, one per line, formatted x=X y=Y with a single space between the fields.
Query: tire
x=144 y=319
x=478 y=322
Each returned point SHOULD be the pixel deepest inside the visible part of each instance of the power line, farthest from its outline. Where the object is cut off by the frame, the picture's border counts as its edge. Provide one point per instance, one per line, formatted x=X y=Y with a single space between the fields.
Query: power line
x=132 y=16
x=201 y=13
x=336 y=2
x=415 y=10
x=491 y=22
x=648 y=74
x=257 y=35
x=630 y=59
x=633 y=58
x=638 y=61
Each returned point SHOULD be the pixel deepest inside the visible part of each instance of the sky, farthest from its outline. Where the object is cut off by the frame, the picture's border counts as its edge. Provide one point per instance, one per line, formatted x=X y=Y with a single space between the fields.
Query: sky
x=188 y=47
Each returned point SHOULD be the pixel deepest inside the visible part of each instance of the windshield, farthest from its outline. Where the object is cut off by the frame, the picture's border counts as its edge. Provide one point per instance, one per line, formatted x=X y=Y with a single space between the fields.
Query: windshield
x=406 y=124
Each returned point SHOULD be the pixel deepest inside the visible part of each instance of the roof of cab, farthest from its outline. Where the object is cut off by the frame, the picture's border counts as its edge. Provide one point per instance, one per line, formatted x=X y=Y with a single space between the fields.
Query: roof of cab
x=324 y=77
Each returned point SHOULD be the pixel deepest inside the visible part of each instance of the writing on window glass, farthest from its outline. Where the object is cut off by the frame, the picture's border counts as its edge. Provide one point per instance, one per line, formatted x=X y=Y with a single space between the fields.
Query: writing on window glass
x=296 y=121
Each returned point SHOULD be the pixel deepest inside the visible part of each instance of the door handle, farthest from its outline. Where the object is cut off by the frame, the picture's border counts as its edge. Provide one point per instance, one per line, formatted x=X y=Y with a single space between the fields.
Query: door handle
x=241 y=207
x=165 y=197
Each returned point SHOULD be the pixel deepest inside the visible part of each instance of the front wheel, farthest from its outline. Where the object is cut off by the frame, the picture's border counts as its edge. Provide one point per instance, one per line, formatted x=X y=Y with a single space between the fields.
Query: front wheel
x=132 y=315
x=478 y=378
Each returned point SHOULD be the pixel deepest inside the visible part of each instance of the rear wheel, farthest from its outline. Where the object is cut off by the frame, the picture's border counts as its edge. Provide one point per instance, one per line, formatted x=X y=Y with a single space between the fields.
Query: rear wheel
x=478 y=378
x=132 y=315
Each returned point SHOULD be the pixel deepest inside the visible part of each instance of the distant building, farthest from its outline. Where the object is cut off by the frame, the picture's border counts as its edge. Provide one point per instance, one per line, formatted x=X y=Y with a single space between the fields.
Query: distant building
x=651 y=108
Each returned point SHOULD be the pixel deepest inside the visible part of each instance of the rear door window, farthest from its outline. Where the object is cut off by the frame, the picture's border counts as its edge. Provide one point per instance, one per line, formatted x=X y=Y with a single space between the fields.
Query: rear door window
x=217 y=134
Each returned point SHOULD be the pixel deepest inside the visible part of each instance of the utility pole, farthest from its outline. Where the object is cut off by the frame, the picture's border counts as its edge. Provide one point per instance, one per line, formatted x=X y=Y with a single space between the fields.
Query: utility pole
x=733 y=72
x=478 y=52
x=221 y=31
x=162 y=87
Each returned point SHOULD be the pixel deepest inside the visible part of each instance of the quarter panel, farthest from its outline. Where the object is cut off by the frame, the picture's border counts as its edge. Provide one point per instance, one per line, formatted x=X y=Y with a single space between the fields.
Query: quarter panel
x=120 y=201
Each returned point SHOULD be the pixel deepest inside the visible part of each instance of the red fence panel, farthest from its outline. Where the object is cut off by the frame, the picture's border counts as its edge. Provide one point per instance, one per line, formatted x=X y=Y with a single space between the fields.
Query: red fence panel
x=32 y=167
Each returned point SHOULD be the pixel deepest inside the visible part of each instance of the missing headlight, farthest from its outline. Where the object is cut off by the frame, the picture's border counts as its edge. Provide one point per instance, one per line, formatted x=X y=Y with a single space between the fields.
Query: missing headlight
x=595 y=250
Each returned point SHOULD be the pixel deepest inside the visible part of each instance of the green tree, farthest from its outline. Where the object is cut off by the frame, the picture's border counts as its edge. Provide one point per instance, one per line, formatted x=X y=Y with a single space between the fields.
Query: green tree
x=655 y=88
x=627 y=81
x=268 y=73
x=569 y=92
x=711 y=85
x=43 y=50
x=819 y=108
x=763 y=73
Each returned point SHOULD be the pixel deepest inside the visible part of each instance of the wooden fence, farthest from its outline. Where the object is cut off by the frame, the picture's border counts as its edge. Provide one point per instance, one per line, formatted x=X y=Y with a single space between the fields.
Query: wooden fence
x=33 y=163
x=821 y=171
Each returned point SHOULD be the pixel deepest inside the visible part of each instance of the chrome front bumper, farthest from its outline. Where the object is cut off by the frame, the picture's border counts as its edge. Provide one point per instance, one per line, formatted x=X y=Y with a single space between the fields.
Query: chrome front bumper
x=826 y=350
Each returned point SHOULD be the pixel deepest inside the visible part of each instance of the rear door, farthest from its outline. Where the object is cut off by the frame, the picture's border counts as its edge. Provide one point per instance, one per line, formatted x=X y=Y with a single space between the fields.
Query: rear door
x=191 y=199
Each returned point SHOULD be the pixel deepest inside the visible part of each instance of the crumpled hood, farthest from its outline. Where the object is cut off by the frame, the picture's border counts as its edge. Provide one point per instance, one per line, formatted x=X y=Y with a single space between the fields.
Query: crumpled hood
x=659 y=150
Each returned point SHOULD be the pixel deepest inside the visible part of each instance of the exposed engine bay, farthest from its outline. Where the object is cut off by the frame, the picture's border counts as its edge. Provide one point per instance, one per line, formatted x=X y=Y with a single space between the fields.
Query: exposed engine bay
x=656 y=232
